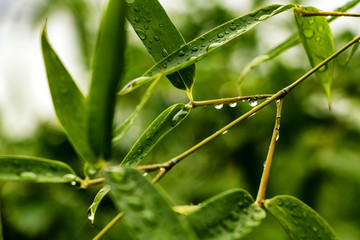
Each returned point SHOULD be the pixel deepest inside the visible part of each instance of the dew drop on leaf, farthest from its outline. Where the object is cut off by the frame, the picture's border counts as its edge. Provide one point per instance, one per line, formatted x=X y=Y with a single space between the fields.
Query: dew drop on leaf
x=28 y=176
x=309 y=33
x=164 y=52
x=141 y=34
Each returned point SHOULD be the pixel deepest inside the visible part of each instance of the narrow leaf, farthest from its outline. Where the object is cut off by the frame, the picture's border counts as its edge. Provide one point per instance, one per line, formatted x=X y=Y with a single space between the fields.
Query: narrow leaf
x=162 y=125
x=99 y=196
x=298 y=219
x=124 y=128
x=69 y=103
x=316 y=38
x=146 y=212
x=229 y=215
x=352 y=52
x=33 y=169
x=290 y=42
x=107 y=71
x=160 y=36
x=200 y=47
x=1 y=228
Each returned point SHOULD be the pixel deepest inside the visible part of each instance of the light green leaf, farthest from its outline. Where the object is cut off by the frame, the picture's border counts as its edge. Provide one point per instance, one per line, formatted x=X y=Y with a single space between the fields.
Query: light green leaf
x=69 y=103
x=146 y=212
x=160 y=37
x=352 y=52
x=107 y=71
x=298 y=219
x=200 y=47
x=99 y=196
x=229 y=215
x=33 y=169
x=316 y=38
x=290 y=42
x=162 y=125
x=124 y=128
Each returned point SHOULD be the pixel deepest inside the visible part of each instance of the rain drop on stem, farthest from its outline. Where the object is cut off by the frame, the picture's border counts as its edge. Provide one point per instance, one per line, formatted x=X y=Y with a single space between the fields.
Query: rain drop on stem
x=219 y=106
x=253 y=102
x=233 y=104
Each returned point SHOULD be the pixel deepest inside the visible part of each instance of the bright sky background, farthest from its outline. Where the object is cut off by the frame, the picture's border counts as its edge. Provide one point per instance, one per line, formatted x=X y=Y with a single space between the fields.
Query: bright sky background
x=24 y=93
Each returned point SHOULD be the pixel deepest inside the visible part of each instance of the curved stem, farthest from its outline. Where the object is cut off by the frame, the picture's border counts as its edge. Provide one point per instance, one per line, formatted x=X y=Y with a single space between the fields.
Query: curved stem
x=108 y=226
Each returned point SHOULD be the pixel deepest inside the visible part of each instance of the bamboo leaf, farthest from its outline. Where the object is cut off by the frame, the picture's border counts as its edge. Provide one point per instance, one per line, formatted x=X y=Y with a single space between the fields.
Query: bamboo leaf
x=146 y=212
x=162 y=125
x=69 y=103
x=352 y=52
x=290 y=42
x=229 y=215
x=124 y=128
x=97 y=200
x=107 y=71
x=200 y=47
x=160 y=37
x=33 y=169
x=298 y=219
x=316 y=38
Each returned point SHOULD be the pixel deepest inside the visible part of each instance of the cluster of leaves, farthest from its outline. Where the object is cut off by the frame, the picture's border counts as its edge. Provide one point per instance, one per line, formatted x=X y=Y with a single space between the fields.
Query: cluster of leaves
x=88 y=123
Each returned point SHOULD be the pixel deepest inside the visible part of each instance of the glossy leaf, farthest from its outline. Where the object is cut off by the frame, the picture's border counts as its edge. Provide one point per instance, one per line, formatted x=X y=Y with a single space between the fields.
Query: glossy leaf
x=69 y=103
x=107 y=71
x=316 y=38
x=33 y=169
x=147 y=213
x=99 y=196
x=290 y=42
x=200 y=47
x=298 y=219
x=160 y=36
x=162 y=125
x=124 y=128
x=230 y=215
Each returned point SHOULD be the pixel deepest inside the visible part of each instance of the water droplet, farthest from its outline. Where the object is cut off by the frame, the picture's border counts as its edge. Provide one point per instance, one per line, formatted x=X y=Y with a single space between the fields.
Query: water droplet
x=162 y=169
x=136 y=9
x=241 y=31
x=323 y=68
x=141 y=34
x=179 y=116
x=264 y=163
x=145 y=174
x=156 y=38
x=224 y=132
x=314 y=229
x=149 y=217
x=226 y=32
x=137 y=19
x=279 y=202
x=139 y=151
x=232 y=27
x=164 y=52
x=28 y=176
x=146 y=27
x=311 y=20
x=320 y=28
x=264 y=17
x=219 y=106
x=220 y=35
x=161 y=25
x=194 y=49
x=181 y=53
x=233 y=104
x=308 y=33
x=91 y=216
x=135 y=203
x=147 y=19
x=253 y=102
x=318 y=39
x=213 y=46
x=277 y=136
x=164 y=65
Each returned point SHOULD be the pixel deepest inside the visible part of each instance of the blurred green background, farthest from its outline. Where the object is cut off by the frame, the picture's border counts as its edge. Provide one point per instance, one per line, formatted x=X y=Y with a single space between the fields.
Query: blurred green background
x=317 y=157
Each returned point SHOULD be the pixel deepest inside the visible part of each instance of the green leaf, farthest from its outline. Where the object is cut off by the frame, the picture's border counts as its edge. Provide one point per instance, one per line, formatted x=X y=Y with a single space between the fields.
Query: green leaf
x=229 y=215
x=107 y=71
x=99 y=196
x=162 y=125
x=200 y=47
x=160 y=36
x=124 y=128
x=146 y=212
x=1 y=228
x=352 y=52
x=69 y=103
x=290 y=42
x=316 y=38
x=298 y=219
x=33 y=169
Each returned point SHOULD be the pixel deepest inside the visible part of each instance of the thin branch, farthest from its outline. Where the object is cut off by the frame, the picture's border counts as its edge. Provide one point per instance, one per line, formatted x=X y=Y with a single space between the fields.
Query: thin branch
x=91 y=182
x=305 y=13
x=279 y=95
x=108 y=226
x=266 y=172
x=195 y=104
